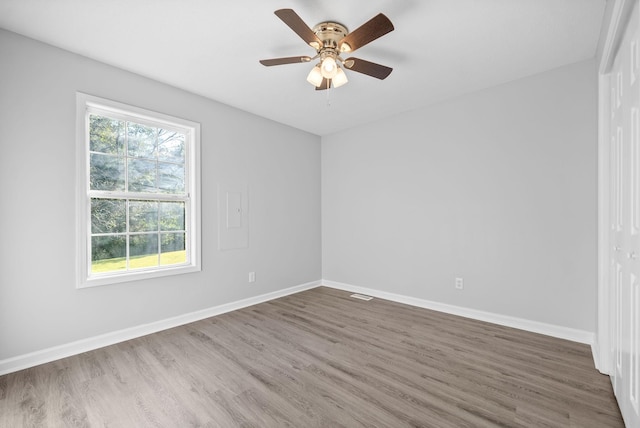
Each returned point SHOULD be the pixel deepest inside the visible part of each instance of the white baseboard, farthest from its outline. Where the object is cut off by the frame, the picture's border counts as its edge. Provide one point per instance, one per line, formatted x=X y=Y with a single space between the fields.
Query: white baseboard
x=597 y=361
x=567 y=333
x=57 y=352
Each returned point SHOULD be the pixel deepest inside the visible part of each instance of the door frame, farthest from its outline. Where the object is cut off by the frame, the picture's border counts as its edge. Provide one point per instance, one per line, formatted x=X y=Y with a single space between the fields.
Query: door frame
x=616 y=25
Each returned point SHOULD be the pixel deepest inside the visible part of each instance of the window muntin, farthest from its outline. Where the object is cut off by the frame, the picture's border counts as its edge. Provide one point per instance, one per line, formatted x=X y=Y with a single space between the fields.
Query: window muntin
x=139 y=194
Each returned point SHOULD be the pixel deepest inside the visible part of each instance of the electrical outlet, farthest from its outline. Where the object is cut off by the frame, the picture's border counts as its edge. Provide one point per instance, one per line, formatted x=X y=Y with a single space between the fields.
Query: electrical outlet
x=252 y=277
x=459 y=283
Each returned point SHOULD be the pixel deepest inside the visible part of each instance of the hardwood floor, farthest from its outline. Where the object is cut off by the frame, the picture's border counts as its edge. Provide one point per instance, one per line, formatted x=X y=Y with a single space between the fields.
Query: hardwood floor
x=319 y=358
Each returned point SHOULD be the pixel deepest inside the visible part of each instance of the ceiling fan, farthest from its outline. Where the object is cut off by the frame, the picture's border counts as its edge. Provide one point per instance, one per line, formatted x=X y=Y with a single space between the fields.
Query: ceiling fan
x=330 y=40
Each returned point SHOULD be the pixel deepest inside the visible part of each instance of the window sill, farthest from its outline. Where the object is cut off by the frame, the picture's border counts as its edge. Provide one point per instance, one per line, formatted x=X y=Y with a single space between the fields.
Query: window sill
x=99 y=280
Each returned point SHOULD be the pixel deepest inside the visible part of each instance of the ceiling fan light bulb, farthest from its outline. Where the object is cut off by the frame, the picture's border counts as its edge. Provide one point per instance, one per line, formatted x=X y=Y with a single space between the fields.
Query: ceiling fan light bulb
x=339 y=79
x=329 y=68
x=315 y=76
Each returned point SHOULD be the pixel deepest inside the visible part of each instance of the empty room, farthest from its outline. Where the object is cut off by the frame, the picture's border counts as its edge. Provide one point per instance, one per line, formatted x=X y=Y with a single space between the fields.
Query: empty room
x=340 y=214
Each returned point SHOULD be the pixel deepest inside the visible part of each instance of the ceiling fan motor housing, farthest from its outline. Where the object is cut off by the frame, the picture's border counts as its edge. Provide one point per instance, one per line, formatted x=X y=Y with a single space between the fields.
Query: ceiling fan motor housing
x=330 y=33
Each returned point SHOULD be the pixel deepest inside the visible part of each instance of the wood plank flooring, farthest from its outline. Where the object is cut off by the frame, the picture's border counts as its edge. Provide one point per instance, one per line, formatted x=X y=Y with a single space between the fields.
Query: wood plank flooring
x=319 y=359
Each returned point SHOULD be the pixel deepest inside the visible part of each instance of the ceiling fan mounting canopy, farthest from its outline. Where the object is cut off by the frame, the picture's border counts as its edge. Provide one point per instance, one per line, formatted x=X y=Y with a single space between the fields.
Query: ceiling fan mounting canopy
x=330 y=39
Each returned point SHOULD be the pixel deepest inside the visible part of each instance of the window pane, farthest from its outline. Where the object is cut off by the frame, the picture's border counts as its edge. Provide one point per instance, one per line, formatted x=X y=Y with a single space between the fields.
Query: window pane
x=172 y=216
x=141 y=140
x=142 y=176
x=138 y=193
x=106 y=135
x=108 y=216
x=143 y=216
x=170 y=177
x=173 y=249
x=170 y=146
x=108 y=253
x=106 y=172
x=143 y=250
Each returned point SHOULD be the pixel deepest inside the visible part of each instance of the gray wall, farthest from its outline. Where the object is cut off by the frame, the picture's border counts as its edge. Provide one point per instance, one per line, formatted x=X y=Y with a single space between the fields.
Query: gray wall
x=39 y=304
x=498 y=187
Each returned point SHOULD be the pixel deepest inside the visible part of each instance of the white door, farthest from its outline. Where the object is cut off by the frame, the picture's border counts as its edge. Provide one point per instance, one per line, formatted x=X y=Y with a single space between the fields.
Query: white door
x=625 y=221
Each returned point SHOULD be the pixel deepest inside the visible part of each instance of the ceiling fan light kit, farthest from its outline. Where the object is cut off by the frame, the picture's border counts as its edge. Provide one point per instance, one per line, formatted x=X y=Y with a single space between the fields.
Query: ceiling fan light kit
x=330 y=39
x=329 y=67
x=315 y=76
x=339 y=79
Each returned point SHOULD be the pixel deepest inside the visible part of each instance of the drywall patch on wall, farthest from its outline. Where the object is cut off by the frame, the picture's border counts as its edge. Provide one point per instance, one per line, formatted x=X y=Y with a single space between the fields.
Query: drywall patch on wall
x=233 y=216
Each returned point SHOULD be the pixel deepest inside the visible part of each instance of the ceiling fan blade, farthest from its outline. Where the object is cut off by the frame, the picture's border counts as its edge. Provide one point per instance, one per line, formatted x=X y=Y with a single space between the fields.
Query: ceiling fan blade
x=376 y=27
x=287 y=60
x=369 y=68
x=289 y=17
x=326 y=83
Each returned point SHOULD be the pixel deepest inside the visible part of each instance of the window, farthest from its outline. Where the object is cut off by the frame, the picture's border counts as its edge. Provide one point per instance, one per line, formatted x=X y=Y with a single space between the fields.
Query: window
x=139 y=193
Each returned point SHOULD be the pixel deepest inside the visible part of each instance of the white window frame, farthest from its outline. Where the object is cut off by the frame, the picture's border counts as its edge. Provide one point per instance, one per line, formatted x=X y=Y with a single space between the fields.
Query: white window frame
x=85 y=104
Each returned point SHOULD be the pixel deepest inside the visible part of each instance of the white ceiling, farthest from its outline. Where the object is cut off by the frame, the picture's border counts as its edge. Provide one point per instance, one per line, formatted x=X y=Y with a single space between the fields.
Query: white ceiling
x=439 y=49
